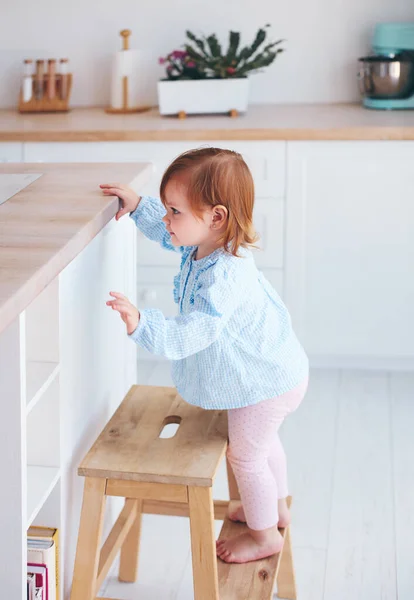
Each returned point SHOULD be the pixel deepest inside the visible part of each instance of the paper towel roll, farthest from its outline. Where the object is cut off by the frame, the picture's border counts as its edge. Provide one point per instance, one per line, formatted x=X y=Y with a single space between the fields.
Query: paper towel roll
x=129 y=63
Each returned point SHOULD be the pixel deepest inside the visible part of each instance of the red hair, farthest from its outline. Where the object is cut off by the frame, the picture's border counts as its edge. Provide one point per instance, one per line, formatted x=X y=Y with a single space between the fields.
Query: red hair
x=217 y=176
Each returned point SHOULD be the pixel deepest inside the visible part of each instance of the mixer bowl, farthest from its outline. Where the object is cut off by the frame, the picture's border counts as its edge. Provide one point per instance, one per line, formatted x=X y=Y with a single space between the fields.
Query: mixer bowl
x=386 y=78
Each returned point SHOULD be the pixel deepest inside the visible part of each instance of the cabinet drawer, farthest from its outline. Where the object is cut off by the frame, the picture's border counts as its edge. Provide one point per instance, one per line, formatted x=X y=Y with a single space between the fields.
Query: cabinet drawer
x=157 y=295
x=268 y=220
x=267 y=163
x=267 y=159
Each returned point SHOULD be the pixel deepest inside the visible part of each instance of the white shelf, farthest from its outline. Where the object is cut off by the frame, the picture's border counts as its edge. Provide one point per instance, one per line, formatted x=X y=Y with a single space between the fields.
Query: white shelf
x=39 y=376
x=40 y=483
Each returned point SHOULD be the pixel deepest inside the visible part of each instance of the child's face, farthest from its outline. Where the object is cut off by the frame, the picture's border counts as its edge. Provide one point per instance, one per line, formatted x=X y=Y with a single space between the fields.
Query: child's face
x=186 y=229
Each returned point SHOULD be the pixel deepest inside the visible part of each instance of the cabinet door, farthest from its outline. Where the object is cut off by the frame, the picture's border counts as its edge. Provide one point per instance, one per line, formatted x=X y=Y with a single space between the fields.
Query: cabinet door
x=11 y=152
x=268 y=221
x=98 y=361
x=350 y=250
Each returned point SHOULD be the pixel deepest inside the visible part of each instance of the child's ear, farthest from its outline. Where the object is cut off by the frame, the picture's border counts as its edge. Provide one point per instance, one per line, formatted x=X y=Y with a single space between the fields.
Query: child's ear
x=220 y=214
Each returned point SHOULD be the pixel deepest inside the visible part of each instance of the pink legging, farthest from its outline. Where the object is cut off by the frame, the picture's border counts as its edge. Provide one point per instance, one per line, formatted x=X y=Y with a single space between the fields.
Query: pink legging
x=257 y=457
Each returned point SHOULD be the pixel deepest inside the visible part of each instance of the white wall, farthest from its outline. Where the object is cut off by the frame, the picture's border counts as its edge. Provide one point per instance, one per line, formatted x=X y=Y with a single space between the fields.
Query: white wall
x=324 y=39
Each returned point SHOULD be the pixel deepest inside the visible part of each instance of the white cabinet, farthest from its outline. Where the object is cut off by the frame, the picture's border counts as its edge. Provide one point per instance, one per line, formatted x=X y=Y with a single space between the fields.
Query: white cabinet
x=11 y=152
x=65 y=364
x=350 y=251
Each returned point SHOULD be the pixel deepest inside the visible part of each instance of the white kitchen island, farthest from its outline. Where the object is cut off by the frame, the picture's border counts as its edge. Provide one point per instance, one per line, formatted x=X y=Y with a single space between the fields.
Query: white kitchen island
x=65 y=361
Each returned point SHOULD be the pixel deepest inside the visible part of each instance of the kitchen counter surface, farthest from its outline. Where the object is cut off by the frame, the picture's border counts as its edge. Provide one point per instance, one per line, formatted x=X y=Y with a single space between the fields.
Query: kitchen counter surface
x=261 y=122
x=44 y=226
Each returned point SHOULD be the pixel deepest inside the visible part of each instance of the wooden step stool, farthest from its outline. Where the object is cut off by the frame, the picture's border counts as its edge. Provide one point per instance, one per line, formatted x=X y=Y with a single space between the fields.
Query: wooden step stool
x=169 y=476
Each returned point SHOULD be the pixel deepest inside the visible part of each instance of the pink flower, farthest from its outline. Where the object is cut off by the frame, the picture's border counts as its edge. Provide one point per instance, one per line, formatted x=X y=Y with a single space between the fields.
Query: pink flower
x=231 y=70
x=178 y=54
x=191 y=63
x=161 y=60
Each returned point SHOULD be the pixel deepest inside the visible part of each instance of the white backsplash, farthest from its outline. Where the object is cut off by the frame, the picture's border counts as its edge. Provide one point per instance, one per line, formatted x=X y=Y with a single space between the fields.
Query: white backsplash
x=324 y=38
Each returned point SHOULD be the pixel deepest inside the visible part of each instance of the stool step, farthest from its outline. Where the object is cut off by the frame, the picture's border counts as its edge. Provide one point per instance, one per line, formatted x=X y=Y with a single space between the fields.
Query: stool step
x=254 y=580
x=249 y=581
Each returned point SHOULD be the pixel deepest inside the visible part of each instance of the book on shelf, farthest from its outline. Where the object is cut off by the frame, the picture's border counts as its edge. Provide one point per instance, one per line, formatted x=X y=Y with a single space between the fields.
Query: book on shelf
x=31 y=586
x=33 y=592
x=43 y=548
x=41 y=578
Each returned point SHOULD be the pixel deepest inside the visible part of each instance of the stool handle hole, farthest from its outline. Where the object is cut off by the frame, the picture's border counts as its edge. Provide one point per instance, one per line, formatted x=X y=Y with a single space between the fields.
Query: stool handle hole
x=170 y=426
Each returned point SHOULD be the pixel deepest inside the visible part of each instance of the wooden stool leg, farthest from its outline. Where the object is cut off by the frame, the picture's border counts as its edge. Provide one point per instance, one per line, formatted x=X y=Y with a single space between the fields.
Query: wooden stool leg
x=233 y=489
x=128 y=567
x=89 y=540
x=203 y=543
x=286 y=584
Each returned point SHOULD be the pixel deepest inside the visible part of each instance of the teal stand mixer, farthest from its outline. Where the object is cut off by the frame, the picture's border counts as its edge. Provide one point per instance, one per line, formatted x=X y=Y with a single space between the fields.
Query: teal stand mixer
x=386 y=78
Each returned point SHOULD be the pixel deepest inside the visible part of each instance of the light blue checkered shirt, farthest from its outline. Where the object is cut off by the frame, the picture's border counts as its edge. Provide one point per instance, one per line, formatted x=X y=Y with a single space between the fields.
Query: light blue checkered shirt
x=232 y=344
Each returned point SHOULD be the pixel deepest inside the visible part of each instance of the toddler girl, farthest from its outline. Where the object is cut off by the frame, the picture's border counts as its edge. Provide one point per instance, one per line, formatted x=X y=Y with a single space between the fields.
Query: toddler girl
x=232 y=345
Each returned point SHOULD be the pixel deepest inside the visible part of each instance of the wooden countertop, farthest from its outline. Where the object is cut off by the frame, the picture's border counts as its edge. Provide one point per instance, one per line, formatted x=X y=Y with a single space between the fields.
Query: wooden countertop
x=261 y=122
x=43 y=227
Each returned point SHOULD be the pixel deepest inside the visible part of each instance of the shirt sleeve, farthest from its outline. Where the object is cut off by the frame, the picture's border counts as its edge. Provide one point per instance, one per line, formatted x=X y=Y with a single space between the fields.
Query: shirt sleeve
x=147 y=217
x=176 y=338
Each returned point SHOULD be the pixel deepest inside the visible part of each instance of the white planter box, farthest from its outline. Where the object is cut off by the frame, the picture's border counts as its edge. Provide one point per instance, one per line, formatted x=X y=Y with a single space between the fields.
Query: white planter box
x=203 y=96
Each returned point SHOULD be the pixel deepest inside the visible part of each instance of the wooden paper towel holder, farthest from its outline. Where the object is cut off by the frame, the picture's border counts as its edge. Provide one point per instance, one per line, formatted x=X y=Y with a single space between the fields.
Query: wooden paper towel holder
x=125 y=33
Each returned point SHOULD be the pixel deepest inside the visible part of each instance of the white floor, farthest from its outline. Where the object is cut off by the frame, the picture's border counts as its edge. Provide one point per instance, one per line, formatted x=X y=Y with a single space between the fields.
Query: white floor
x=350 y=448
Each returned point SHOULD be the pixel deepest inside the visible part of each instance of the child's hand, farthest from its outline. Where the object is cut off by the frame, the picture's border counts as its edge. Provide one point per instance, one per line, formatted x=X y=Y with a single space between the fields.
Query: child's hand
x=128 y=197
x=129 y=314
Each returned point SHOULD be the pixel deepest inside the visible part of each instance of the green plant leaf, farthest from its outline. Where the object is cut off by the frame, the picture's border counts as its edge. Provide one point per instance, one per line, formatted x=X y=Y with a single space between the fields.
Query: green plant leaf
x=272 y=45
x=234 y=40
x=199 y=43
x=260 y=61
x=247 y=52
x=196 y=56
x=214 y=45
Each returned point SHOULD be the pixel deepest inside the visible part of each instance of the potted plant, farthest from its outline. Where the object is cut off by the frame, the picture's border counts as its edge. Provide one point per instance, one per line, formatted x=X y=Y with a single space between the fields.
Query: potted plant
x=204 y=79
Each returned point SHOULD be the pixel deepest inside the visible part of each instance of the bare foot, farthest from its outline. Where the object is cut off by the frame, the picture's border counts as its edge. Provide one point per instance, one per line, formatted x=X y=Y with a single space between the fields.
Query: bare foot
x=249 y=546
x=236 y=513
